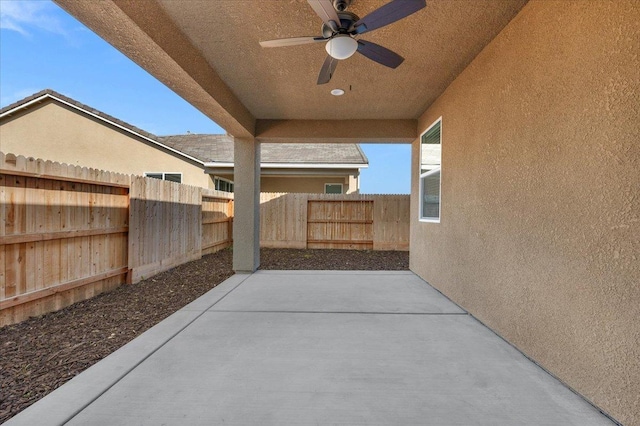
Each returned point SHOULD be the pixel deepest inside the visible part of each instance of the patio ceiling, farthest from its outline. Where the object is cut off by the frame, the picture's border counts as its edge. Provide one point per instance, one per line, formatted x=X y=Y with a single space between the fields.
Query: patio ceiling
x=208 y=53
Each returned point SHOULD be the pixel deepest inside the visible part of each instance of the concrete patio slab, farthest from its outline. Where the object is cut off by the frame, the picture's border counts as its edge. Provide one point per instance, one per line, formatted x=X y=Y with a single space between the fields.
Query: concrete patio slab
x=427 y=363
x=290 y=291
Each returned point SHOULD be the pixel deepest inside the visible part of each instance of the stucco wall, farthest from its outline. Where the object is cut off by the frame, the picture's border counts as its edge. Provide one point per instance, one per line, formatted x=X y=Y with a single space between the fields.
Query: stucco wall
x=57 y=133
x=302 y=184
x=540 y=230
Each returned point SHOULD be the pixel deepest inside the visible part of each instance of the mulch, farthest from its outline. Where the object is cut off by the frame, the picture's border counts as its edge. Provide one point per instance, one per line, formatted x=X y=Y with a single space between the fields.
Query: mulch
x=42 y=353
x=341 y=260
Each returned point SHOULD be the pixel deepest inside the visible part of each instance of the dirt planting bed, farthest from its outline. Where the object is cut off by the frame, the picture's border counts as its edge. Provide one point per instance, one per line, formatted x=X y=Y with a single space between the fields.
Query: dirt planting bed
x=341 y=260
x=40 y=354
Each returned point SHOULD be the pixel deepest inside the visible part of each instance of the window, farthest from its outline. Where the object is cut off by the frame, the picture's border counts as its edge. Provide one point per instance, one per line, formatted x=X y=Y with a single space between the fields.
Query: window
x=222 y=184
x=430 y=177
x=171 y=177
x=333 y=188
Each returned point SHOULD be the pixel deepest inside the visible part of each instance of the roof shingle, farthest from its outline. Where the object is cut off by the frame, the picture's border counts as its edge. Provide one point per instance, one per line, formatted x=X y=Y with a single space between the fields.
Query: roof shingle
x=219 y=148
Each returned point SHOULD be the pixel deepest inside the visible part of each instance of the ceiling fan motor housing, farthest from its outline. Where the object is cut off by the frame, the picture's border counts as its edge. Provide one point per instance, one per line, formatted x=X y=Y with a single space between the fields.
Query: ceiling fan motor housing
x=346 y=20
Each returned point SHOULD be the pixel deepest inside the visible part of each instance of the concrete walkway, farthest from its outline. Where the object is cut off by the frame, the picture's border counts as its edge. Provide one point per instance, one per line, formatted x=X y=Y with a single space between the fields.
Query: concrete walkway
x=316 y=348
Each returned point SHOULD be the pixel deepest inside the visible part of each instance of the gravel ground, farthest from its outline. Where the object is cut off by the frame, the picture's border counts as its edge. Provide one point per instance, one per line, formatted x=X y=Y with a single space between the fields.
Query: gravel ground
x=40 y=354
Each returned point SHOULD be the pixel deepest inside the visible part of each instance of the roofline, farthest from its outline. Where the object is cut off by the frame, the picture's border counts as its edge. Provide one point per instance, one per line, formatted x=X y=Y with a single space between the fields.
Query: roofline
x=294 y=165
x=290 y=173
x=364 y=156
x=154 y=140
x=45 y=95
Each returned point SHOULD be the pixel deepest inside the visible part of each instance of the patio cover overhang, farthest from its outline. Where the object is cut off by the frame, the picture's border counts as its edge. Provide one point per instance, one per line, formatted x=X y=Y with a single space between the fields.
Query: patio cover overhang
x=208 y=53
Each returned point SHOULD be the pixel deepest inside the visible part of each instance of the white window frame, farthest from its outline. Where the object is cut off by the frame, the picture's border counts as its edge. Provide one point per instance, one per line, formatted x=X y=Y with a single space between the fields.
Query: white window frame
x=329 y=183
x=224 y=180
x=430 y=219
x=428 y=173
x=165 y=173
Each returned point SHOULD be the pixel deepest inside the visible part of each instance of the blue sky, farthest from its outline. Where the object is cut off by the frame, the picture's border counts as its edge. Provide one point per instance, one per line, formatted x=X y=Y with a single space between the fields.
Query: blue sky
x=41 y=47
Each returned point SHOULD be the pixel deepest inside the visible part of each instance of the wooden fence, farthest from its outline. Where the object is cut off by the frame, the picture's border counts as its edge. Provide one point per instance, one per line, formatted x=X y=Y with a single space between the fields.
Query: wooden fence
x=68 y=233
x=171 y=224
x=165 y=229
x=217 y=220
x=354 y=221
x=63 y=235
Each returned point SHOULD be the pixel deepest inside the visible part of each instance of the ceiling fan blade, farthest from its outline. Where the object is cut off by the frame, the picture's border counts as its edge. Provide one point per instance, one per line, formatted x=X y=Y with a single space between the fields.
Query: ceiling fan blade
x=294 y=41
x=327 y=70
x=325 y=10
x=380 y=54
x=388 y=14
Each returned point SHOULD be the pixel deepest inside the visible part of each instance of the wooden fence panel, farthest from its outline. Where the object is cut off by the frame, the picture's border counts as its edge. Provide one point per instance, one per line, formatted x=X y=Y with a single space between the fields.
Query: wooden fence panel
x=56 y=222
x=391 y=222
x=283 y=220
x=217 y=221
x=166 y=226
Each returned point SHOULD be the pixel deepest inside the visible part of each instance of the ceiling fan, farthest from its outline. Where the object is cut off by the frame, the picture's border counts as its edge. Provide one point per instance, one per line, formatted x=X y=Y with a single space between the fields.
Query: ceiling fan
x=340 y=29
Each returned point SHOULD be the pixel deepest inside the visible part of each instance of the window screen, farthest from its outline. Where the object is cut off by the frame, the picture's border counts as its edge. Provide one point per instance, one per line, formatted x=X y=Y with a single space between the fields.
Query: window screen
x=333 y=188
x=430 y=175
x=172 y=177
x=431 y=195
x=223 y=184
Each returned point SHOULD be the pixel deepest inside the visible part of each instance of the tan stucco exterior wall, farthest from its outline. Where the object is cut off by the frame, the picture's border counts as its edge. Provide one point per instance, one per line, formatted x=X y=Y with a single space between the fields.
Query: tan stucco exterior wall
x=57 y=133
x=540 y=227
x=303 y=185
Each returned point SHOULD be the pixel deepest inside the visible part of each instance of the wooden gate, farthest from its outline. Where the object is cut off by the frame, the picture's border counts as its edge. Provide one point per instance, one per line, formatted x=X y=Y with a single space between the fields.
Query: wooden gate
x=340 y=224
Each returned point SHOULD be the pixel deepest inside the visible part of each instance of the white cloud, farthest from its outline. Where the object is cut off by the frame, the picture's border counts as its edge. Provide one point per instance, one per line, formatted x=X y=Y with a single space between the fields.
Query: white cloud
x=23 y=16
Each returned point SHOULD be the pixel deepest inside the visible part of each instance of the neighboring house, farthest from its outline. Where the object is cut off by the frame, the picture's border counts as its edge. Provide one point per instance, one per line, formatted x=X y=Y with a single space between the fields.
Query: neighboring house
x=54 y=127
x=290 y=167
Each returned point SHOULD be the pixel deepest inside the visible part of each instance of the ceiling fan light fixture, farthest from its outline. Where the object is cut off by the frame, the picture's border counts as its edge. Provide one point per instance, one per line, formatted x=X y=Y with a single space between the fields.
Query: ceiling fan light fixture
x=337 y=92
x=340 y=28
x=341 y=47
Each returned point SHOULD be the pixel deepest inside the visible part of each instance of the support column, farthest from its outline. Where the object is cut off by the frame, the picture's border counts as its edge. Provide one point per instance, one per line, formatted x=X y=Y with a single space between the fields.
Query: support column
x=246 y=221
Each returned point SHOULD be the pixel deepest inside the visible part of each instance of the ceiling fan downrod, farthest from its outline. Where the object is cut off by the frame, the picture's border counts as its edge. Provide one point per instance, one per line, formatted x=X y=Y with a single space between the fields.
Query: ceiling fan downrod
x=341 y=5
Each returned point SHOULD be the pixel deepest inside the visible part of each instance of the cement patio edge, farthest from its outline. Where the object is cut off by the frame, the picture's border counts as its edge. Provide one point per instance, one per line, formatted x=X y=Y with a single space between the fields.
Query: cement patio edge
x=68 y=400
x=334 y=272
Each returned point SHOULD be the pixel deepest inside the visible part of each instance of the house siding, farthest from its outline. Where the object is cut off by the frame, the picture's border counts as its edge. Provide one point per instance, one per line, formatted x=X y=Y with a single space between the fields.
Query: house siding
x=540 y=228
x=305 y=185
x=302 y=184
x=55 y=132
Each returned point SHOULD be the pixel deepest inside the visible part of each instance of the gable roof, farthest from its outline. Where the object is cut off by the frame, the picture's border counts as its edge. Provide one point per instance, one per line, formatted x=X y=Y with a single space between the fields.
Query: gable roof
x=213 y=149
x=219 y=149
x=49 y=95
x=46 y=94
